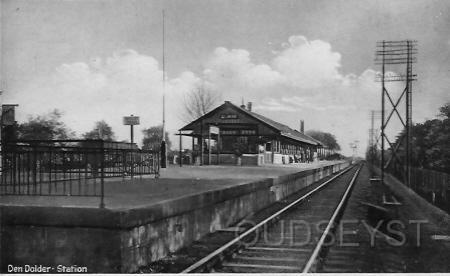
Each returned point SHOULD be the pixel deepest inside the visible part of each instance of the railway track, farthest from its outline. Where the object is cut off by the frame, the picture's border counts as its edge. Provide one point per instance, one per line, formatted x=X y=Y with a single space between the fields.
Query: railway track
x=291 y=240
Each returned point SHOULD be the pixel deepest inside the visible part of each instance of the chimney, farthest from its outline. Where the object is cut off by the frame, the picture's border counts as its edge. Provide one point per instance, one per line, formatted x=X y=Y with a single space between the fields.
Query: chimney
x=302 y=126
x=249 y=106
x=242 y=104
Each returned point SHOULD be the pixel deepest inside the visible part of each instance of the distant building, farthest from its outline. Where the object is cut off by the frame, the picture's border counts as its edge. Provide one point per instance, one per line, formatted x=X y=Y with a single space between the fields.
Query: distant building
x=230 y=131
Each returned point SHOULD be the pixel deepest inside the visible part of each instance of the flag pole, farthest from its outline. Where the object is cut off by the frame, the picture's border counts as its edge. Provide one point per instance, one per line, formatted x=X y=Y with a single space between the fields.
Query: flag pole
x=163 y=142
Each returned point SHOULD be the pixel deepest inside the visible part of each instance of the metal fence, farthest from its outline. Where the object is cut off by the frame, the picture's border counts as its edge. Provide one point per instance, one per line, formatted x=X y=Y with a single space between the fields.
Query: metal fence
x=432 y=185
x=425 y=180
x=430 y=181
x=70 y=167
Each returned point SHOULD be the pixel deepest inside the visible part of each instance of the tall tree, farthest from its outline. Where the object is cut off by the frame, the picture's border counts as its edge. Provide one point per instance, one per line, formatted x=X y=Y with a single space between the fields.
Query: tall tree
x=44 y=127
x=430 y=142
x=198 y=102
x=153 y=137
x=101 y=130
x=438 y=141
x=445 y=111
x=326 y=138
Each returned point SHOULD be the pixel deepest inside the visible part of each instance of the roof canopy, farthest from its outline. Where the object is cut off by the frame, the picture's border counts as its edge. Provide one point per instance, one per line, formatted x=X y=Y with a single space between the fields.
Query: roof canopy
x=278 y=128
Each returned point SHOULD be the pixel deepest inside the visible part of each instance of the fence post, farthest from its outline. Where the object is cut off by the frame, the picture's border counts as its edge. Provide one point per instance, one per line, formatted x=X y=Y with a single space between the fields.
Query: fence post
x=50 y=171
x=102 y=176
x=35 y=160
x=124 y=163
x=157 y=153
x=132 y=159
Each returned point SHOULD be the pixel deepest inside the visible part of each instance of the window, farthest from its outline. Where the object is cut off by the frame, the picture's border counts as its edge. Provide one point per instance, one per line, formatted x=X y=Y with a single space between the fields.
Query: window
x=228 y=132
x=248 y=132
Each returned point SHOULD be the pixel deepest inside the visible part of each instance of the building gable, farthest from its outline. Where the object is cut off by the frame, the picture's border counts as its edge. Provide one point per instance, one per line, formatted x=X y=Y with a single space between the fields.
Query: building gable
x=228 y=116
x=234 y=120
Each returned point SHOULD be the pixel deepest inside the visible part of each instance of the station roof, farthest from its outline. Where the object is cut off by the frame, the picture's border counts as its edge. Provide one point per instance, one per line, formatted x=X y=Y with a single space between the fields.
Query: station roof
x=282 y=129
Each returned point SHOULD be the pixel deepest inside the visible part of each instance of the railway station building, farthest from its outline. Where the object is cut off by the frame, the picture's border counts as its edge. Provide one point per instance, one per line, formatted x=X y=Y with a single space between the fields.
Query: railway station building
x=232 y=134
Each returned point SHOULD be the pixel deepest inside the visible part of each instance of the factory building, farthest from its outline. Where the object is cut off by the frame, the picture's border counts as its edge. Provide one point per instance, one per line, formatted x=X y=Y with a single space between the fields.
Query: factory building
x=232 y=134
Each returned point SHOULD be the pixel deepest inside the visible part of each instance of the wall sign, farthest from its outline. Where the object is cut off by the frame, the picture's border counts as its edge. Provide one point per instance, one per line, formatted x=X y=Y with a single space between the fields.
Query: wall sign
x=228 y=116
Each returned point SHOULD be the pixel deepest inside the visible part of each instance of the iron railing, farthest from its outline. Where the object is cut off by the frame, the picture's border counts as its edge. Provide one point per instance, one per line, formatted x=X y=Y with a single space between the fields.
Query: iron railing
x=70 y=167
x=432 y=185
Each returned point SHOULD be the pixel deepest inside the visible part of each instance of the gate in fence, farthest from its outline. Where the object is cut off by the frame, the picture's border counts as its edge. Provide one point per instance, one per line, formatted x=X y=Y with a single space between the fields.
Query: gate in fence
x=70 y=167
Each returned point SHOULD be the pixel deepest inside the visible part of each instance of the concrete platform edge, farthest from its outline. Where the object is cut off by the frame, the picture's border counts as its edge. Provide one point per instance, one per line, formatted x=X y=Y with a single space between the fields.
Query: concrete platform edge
x=123 y=240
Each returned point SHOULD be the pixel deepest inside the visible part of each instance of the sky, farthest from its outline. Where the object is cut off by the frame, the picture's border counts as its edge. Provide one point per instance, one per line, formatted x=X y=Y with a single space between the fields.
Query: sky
x=295 y=60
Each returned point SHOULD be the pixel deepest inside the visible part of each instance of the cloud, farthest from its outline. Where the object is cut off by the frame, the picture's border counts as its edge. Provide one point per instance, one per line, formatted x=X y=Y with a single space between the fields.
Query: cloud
x=233 y=70
x=301 y=80
x=342 y=109
x=107 y=89
x=308 y=64
x=299 y=102
x=300 y=64
x=271 y=104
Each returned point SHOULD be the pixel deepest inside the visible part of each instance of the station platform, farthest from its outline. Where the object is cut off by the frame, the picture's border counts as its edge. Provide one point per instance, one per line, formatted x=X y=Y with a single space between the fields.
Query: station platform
x=144 y=219
x=173 y=183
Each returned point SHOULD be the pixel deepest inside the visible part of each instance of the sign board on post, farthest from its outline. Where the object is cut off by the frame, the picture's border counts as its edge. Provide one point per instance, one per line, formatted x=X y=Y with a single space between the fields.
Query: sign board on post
x=131 y=120
x=213 y=130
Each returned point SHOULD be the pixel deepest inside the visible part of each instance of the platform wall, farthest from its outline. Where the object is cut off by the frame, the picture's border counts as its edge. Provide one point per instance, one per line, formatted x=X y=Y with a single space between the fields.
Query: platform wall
x=124 y=240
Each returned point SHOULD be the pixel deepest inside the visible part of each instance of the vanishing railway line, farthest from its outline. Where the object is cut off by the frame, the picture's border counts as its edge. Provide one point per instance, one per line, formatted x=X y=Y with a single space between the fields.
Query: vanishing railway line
x=292 y=239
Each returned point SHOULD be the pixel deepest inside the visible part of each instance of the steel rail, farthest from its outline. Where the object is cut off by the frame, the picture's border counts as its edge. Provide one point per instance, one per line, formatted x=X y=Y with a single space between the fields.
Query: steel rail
x=224 y=247
x=315 y=254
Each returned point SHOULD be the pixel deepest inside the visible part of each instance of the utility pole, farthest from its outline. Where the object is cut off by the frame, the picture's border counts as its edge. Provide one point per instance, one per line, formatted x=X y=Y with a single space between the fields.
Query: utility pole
x=395 y=54
x=163 y=142
x=354 y=147
x=373 y=136
x=1 y=137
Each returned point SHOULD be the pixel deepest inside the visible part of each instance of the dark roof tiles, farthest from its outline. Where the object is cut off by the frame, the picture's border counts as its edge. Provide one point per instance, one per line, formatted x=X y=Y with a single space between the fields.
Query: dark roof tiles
x=283 y=129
